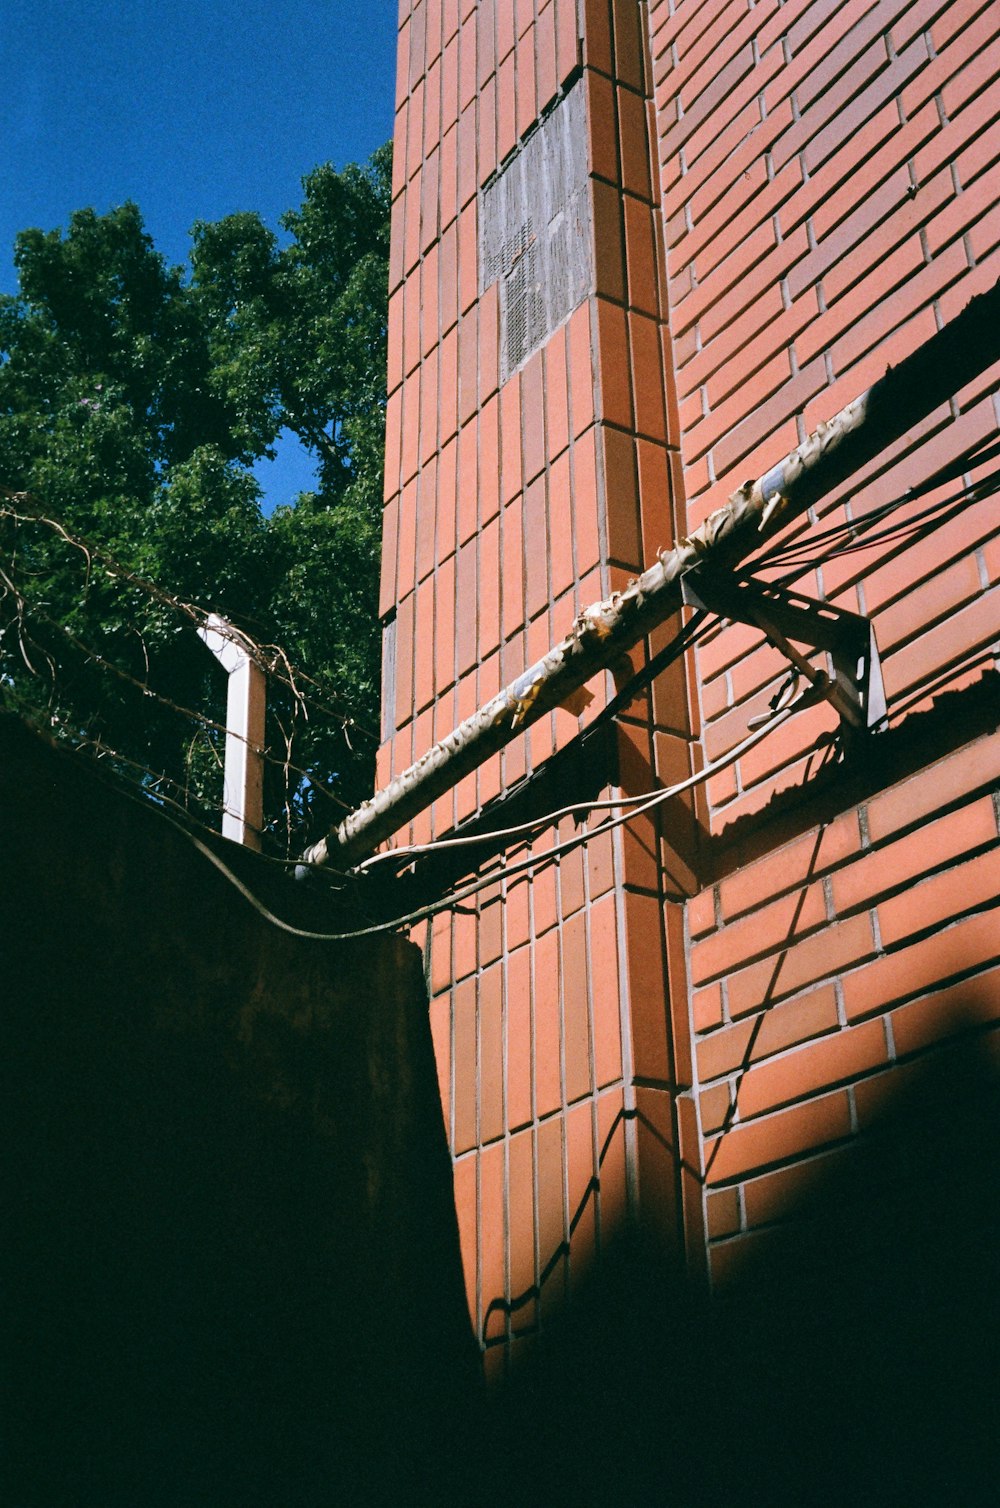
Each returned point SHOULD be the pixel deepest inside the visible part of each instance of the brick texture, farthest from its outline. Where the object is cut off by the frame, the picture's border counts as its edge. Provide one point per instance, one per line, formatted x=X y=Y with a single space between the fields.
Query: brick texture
x=508 y=509
x=786 y=199
x=824 y=175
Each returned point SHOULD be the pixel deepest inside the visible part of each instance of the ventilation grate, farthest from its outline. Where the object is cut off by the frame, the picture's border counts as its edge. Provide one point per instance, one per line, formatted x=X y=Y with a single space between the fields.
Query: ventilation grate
x=535 y=237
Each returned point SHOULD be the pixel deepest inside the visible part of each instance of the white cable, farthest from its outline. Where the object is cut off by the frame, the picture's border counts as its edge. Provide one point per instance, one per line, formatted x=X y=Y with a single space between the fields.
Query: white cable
x=548 y=818
x=484 y=882
x=545 y=820
x=647 y=803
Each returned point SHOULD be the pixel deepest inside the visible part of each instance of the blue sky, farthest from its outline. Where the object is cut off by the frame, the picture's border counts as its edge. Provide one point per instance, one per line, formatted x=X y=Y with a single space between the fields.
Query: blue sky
x=192 y=110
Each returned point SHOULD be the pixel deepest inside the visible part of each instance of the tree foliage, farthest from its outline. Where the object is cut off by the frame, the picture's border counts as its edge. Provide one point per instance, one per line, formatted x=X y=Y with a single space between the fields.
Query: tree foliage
x=135 y=399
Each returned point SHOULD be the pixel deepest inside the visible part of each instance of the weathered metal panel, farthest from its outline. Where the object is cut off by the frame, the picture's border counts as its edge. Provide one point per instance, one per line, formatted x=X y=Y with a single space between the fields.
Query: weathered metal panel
x=535 y=232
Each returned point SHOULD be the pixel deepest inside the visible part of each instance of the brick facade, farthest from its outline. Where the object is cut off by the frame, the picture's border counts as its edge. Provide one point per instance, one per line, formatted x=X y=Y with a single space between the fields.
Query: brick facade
x=684 y=1019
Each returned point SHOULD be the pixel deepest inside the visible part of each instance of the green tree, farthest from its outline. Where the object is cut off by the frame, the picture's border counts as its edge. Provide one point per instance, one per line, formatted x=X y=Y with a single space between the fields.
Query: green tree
x=134 y=400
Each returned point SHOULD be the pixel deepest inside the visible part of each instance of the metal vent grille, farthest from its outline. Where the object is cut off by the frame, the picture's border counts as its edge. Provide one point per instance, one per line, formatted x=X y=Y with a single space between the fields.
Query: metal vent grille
x=534 y=236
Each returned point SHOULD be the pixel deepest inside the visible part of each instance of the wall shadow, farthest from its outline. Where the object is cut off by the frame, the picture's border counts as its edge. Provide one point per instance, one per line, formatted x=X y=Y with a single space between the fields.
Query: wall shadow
x=230 y=1256
x=852 y=1356
x=229 y=1252
x=864 y=766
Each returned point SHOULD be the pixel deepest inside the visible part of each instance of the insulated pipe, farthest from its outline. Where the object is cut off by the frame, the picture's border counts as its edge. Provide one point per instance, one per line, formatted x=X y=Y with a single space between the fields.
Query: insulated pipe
x=602 y=633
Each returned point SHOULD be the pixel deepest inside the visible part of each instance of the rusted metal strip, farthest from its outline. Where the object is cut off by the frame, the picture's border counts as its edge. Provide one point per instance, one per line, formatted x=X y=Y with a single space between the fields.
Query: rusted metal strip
x=607 y=630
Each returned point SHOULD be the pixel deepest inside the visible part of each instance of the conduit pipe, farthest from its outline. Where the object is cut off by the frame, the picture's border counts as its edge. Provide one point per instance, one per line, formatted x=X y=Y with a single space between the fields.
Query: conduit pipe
x=604 y=632
x=246 y=701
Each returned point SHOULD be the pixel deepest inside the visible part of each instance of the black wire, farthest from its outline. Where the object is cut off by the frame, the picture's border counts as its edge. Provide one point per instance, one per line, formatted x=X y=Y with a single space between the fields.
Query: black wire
x=919 y=527
x=694 y=630
x=802 y=553
x=685 y=639
x=702 y=622
x=944 y=474
x=850 y=528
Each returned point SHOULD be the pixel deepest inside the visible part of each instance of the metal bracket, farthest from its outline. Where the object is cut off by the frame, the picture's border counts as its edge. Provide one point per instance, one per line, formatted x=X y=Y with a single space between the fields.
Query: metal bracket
x=853 y=685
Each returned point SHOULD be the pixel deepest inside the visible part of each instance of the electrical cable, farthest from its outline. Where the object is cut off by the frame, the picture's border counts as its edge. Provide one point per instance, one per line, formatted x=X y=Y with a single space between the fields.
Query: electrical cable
x=422 y=913
x=677 y=646
x=793 y=553
x=799 y=553
x=853 y=527
x=921 y=524
x=693 y=631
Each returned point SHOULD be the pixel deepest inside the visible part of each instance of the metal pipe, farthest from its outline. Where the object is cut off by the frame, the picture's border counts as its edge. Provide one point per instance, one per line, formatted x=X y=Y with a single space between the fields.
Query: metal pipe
x=605 y=631
x=243 y=774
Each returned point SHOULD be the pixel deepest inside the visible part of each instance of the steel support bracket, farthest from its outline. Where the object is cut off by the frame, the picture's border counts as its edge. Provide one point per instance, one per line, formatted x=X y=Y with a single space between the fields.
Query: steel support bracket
x=852 y=683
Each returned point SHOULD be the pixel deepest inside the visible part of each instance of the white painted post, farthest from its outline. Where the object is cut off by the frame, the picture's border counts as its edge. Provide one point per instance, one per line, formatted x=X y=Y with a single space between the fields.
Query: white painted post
x=243 y=777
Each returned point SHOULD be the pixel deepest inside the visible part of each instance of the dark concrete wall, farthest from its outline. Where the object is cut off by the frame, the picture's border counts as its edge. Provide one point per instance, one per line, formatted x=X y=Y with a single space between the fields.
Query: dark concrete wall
x=229 y=1219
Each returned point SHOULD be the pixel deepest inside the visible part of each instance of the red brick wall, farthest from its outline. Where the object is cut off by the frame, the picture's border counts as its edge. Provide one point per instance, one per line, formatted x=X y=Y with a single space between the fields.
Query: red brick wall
x=509 y=509
x=828 y=206
x=786 y=198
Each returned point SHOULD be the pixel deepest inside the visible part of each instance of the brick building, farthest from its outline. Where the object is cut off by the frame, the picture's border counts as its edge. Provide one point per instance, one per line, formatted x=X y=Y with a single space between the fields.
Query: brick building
x=639 y=252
